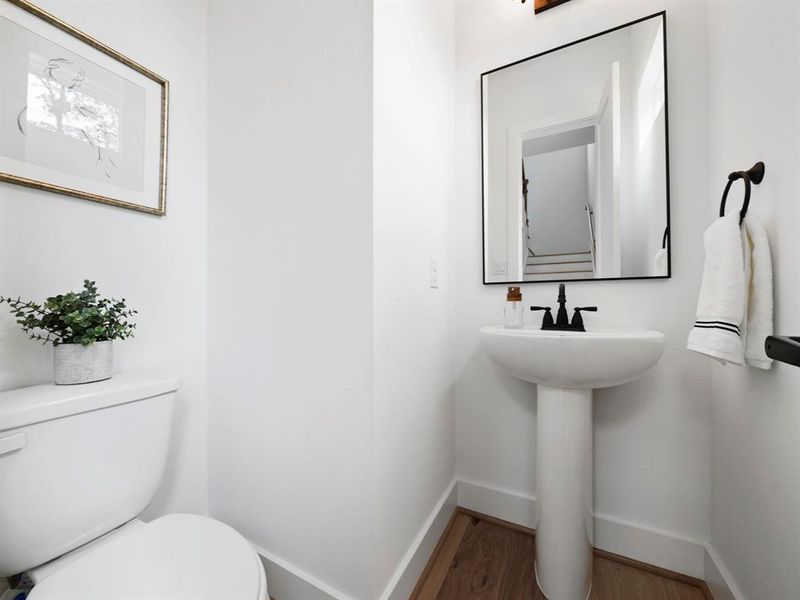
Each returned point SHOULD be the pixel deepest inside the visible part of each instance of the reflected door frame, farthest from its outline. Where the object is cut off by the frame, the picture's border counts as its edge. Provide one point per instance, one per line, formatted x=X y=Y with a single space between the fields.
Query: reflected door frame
x=608 y=181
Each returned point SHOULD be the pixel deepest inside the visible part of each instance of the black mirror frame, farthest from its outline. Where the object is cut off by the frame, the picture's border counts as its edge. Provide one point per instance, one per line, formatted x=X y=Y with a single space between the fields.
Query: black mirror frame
x=668 y=231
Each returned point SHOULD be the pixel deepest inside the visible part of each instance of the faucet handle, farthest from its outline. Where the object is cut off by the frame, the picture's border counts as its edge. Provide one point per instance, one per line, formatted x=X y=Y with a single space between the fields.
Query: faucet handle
x=547 y=319
x=577 y=319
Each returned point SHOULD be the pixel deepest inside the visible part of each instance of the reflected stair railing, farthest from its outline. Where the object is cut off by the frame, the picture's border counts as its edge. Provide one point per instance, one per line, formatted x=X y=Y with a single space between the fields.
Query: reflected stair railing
x=592 y=246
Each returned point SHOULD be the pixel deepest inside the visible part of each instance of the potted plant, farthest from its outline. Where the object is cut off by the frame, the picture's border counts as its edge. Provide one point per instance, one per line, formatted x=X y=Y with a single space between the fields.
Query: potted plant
x=81 y=326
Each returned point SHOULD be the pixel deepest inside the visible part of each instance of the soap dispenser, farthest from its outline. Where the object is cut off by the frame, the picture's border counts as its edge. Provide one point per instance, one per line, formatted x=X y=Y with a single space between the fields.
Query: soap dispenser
x=513 y=311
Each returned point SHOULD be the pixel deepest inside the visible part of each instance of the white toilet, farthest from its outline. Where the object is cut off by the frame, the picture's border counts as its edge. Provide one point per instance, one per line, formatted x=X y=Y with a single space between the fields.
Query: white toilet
x=78 y=464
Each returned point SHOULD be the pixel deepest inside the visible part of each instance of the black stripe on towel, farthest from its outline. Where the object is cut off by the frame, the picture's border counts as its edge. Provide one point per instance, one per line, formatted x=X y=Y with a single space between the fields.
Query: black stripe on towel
x=723 y=323
x=704 y=326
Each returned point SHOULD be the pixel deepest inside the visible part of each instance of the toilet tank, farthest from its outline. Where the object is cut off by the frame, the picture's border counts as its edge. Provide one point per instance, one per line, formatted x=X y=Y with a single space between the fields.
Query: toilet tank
x=78 y=461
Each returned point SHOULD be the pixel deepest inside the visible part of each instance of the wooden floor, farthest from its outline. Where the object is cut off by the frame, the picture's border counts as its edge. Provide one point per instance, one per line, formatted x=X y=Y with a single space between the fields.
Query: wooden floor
x=481 y=558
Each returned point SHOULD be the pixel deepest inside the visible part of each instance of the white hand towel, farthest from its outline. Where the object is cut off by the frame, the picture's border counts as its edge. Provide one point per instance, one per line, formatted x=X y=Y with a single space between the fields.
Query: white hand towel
x=660 y=263
x=759 y=292
x=721 y=304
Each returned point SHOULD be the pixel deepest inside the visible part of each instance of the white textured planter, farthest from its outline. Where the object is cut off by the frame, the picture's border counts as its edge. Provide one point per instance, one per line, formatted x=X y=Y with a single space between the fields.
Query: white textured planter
x=75 y=363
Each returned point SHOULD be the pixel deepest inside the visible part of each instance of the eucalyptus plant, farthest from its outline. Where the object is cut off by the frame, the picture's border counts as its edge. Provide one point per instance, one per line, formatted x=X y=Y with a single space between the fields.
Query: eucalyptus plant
x=74 y=318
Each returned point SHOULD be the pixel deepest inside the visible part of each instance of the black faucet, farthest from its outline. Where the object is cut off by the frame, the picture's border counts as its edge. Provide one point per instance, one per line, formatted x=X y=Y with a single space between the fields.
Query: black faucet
x=562 y=322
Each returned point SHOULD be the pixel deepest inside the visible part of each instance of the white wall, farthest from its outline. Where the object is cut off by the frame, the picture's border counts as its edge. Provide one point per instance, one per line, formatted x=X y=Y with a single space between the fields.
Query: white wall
x=649 y=175
x=332 y=421
x=50 y=243
x=290 y=327
x=755 y=452
x=414 y=415
x=651 y=436
x=649 y=191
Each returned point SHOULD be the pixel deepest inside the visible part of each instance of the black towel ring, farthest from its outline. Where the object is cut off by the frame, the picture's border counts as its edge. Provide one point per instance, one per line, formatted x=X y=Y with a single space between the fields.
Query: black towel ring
x=664 y=239
x=755 y=174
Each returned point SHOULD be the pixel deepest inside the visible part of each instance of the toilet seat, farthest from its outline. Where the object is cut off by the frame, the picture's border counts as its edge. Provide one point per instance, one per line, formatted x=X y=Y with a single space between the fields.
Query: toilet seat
x=175 y=557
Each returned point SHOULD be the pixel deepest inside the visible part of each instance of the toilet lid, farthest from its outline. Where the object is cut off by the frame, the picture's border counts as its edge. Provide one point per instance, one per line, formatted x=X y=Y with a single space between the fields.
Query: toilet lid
x=174 y=557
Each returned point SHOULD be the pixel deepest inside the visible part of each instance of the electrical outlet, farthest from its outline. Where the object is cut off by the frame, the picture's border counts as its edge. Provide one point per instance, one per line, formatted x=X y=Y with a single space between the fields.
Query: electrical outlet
x=499 y=268
x=434 y=273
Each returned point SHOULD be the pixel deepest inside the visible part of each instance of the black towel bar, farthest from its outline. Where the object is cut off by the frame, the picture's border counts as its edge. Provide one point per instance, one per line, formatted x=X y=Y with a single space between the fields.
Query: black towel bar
x=784 y=349
x=754 y=174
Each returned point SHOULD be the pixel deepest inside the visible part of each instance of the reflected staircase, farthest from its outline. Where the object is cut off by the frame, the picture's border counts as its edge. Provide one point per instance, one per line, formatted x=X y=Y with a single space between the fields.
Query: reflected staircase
x=572 y=265
x=565 y=266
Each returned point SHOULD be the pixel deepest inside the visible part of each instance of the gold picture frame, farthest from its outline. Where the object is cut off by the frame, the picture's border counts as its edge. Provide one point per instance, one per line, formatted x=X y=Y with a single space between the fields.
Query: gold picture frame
x=161 y=180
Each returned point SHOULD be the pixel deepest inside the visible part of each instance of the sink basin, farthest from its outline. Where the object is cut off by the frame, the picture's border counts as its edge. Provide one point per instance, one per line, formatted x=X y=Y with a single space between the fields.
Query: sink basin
x=574 y=359
x=567 y=366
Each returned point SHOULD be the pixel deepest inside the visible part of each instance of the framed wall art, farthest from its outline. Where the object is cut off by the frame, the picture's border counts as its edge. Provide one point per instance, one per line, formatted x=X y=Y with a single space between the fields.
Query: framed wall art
x=77 y=117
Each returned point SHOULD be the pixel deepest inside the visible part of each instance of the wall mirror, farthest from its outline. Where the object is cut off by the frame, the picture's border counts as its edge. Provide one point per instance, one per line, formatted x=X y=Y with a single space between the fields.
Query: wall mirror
x=575 y=160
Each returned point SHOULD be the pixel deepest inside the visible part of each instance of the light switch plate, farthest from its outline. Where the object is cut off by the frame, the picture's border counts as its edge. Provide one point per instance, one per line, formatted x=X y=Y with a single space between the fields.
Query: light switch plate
x=434 y=273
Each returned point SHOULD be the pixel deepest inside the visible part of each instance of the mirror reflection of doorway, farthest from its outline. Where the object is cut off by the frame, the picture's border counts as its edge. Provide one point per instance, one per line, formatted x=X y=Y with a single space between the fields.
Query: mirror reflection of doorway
x=560 y=179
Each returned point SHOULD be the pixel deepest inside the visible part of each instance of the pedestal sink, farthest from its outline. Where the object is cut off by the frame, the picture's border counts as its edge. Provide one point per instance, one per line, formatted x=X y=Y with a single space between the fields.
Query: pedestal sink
x=567 y=366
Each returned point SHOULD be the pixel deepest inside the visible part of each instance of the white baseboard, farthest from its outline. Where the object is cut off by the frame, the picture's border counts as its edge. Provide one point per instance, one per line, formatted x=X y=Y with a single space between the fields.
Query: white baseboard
x=646 y=544
x=649 y=545
x=287 y=582
x=410 y=568
x=719 y=579
x=496 y=502
x=639 y=542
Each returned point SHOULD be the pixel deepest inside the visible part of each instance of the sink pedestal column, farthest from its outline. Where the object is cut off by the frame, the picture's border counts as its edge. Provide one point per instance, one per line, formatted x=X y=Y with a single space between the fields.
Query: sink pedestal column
x=565 y=490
